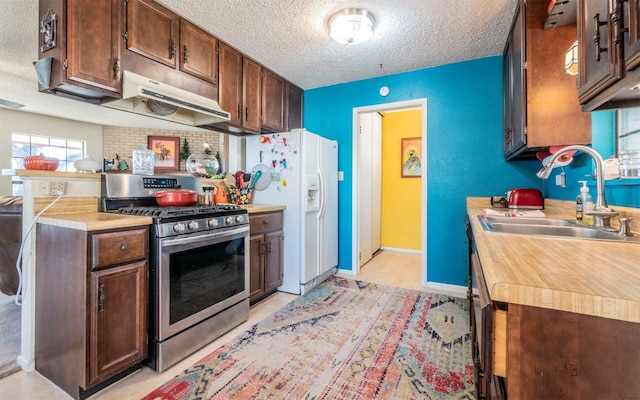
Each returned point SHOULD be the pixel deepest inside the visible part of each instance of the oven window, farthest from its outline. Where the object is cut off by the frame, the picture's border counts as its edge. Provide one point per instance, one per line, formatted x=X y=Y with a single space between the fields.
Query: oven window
x=205 y=276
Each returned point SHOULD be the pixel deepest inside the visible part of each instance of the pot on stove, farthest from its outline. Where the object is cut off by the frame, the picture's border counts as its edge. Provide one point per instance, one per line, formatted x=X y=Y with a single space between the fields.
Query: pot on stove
x=176 y=197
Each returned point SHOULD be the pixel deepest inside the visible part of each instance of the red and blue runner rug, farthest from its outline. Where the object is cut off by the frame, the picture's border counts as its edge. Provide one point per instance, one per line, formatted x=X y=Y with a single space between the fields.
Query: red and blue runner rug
x=345 y=339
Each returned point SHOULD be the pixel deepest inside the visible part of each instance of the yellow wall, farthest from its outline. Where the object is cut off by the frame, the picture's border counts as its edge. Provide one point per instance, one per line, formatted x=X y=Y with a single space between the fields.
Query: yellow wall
x=401 y=197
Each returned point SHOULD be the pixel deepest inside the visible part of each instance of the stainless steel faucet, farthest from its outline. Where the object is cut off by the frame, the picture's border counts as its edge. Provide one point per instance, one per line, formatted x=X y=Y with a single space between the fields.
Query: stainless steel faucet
x=602 y=213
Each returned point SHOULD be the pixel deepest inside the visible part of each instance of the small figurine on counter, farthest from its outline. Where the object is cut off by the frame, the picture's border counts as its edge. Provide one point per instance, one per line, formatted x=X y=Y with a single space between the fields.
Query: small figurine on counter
x=116 y=163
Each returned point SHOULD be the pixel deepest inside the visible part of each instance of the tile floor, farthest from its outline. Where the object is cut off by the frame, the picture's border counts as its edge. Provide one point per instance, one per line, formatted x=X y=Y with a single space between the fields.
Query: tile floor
x=389 y=268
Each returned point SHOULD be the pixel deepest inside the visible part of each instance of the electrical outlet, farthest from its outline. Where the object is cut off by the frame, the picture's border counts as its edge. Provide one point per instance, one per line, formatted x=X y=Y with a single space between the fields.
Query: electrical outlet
x=561 y=180
x=55 y=188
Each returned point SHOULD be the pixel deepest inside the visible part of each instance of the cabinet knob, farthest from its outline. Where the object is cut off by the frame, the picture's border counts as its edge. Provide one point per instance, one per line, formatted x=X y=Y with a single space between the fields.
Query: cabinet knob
x=124 y=247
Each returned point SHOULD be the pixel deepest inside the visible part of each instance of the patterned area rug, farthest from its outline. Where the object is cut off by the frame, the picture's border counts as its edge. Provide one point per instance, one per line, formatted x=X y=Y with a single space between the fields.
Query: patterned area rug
x=345 y=339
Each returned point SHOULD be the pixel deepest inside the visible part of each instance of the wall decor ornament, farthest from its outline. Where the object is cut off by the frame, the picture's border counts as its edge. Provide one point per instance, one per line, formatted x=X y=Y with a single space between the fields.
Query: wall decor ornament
x=48 y=32
x=411 y=157
x=167 y=152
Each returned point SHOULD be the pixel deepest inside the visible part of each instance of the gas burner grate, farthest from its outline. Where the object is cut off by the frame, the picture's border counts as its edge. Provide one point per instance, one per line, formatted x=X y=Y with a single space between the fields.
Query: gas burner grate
x=164 y=212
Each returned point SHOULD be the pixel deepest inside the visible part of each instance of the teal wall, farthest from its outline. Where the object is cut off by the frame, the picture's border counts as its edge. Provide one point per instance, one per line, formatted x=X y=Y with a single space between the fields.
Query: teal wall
x=464 y=158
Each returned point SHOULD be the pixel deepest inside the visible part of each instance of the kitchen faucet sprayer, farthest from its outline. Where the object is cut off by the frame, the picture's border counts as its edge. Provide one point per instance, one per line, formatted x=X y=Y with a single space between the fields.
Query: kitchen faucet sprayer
x=602 y=213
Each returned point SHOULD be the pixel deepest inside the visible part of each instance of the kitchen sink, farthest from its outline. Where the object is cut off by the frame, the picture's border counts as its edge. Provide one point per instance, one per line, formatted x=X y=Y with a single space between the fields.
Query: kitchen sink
x=550 y=227
x=530 y=221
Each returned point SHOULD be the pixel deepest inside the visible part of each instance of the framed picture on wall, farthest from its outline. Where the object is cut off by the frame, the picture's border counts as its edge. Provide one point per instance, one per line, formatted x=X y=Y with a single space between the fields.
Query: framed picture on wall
x=411 y=157
x=166 y=152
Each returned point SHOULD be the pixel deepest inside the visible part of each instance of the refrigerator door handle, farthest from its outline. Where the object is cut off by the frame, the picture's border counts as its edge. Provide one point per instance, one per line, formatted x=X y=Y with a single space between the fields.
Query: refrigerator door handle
x=323 y=194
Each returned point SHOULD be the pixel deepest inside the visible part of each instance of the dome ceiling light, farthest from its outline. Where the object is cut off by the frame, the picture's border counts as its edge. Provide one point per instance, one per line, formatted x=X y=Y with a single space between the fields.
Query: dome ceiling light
x=351 y=26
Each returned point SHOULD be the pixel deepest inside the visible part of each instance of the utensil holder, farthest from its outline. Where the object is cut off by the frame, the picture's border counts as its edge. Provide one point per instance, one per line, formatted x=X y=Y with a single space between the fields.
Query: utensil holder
x=240 y=196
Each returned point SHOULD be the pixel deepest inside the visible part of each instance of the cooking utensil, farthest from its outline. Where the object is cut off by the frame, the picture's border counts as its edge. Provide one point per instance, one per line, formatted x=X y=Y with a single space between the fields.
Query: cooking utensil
x=229 y=180
x=256 y=176
x=176 y=197
x=262 y=180
x=239 y=179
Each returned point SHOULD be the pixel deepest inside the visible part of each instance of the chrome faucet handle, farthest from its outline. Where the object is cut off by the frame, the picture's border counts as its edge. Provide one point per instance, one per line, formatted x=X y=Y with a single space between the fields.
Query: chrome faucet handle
x=625 y=227
x=602 y=217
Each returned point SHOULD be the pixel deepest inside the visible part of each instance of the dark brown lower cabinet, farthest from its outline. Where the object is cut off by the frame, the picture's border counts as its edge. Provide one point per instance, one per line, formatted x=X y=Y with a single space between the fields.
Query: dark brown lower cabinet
x=525 y=352
x=91 y=305
x=266 y=254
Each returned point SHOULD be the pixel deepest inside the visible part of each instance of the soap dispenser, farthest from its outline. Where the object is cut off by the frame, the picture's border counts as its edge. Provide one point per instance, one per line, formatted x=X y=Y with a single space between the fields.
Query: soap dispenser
x=584 y=203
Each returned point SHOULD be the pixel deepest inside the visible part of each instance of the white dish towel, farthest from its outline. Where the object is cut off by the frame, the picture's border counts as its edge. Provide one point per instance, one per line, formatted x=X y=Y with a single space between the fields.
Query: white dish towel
x=489 y=212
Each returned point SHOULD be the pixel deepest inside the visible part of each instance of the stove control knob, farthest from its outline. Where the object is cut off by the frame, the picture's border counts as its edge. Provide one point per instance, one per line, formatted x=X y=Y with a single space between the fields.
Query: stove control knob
x=212 y=223
x=179 y=227
x=228 y=220
x=193 y=225
x=239 y=218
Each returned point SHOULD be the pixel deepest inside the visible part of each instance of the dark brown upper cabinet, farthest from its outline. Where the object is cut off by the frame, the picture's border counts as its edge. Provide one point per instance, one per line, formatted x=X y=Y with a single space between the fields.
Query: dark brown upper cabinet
x=239 y=90
x=152 y=31
x=198 y=54
x=294 y=107
x=273 y=102
x=85 y=59
x=609 y=61
x=540 y=98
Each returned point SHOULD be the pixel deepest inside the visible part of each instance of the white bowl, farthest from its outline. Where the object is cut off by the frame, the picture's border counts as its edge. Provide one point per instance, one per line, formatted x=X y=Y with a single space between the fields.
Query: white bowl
x=87 y=165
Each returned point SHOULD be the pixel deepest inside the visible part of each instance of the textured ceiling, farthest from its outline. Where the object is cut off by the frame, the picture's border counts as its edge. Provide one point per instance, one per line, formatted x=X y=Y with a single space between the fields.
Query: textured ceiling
x=287 y=36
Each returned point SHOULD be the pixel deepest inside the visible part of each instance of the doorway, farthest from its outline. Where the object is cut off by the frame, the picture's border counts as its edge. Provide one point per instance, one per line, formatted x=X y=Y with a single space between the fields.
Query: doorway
x=364 y=155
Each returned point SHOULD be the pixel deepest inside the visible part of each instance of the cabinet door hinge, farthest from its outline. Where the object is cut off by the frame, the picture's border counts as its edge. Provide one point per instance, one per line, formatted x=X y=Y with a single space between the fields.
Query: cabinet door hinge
x=65 y=63
x=125 y=35
x=101 y=298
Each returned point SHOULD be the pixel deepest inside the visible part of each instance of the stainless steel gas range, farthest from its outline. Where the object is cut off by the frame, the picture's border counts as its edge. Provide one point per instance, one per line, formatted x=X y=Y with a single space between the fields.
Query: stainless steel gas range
x=198 y=264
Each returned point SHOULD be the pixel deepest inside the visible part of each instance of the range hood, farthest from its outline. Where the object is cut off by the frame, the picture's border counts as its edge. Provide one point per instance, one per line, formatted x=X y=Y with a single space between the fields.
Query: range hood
x=148 y=97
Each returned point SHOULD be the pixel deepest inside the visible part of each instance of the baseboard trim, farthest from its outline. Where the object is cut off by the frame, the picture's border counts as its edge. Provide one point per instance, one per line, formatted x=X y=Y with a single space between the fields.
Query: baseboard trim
x=434 y=287
x=25 y=364
x=401 y=250
x=447 y=289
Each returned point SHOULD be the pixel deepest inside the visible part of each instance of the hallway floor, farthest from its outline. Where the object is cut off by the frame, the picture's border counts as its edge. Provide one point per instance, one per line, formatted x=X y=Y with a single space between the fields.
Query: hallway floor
x=387 y=268
x=394 y=269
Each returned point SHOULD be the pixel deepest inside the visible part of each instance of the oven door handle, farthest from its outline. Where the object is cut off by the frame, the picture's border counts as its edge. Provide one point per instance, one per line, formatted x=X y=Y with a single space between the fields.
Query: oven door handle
x=204 y=238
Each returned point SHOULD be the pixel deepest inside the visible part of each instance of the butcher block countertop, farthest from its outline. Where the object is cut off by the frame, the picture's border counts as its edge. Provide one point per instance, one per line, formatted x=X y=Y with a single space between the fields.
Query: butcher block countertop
x=257 y=208
x=591 y=277
x=93 y=221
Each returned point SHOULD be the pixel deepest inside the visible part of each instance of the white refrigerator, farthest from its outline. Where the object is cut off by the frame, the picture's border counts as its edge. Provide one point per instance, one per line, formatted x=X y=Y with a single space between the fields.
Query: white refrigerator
x=303 y=177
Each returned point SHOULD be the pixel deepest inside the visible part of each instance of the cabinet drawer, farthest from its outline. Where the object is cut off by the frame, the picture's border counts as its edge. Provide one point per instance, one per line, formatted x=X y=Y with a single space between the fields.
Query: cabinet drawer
x=499 y=359
x=118 y=247
x=267 y=222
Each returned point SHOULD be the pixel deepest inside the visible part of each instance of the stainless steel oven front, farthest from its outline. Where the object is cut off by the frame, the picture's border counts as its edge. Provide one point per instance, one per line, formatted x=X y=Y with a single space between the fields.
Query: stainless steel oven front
x=202 y=290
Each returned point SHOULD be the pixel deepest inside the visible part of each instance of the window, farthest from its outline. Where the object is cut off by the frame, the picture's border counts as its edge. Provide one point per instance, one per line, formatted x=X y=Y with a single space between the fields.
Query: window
x=65 y=150
x=628 y=129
